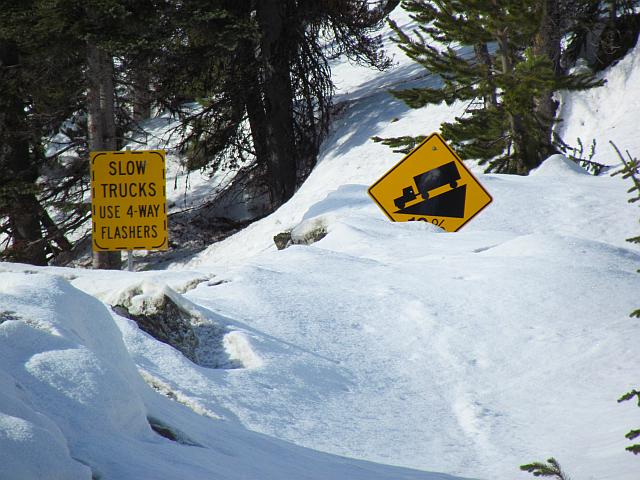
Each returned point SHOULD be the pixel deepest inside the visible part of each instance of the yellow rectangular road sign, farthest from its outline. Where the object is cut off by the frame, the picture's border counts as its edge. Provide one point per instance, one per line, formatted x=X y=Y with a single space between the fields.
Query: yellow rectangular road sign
x=129 y=200
x=433 y=185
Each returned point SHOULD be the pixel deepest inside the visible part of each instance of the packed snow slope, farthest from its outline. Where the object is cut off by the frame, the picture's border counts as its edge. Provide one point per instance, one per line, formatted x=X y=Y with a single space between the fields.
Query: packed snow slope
x=471 y=352
x=466 y=353
x=73 y=404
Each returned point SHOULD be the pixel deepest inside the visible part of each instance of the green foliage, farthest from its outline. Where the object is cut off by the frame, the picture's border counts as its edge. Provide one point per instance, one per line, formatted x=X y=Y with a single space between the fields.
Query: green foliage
x=480 y=134
x=633 y=434
x=504 y=126
x=631 y=170
x=265 y=84
x=400 y=144
x=41 y=72
x=549 y=469
x=578 y=155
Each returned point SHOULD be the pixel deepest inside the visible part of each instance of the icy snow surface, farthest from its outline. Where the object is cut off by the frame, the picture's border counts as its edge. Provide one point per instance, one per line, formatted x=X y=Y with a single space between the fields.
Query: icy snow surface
x=466 y=353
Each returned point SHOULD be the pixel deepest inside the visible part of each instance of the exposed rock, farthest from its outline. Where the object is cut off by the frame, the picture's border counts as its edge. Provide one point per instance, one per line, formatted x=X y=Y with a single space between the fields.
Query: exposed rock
x=173 y=319
x=171 y=433
x=282 y=240
x=191 y=284
x=7 y=315
x=306 y=233
x=164 y=320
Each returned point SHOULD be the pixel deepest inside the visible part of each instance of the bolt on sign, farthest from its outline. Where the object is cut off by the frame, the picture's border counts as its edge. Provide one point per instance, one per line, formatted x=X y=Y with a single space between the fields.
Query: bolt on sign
x=431 y=184
x=129 y=200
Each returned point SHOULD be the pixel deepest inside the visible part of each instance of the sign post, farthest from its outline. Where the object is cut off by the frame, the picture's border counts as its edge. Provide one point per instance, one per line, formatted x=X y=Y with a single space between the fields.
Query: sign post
x=128 y=201
x=431 y=184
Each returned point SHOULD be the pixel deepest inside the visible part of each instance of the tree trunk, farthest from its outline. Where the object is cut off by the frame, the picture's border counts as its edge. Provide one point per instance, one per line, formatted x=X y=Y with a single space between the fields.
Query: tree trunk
x=28 y=243
x=547 y=44
x=609 y=41
x=19 y=173
x=484 y=58
x=526 y=154
x=101 y=123
x=53 y=232
x=278 y=99
x=141 y=81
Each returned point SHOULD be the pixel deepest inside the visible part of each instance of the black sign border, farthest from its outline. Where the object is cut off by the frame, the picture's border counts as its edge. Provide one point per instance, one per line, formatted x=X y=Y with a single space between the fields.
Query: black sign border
x=415 y=150
x=165 y=240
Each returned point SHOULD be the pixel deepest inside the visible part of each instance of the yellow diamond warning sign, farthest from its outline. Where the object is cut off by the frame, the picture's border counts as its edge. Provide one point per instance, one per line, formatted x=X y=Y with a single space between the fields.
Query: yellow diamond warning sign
x=431 y=184
x=128 y=200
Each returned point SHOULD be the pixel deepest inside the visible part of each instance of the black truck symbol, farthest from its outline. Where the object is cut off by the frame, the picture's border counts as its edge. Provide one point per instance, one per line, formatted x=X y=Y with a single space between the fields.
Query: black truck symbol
x=427 y=181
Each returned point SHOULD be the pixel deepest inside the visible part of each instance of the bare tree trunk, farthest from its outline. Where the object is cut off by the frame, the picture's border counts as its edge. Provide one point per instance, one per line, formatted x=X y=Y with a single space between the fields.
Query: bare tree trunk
x=547 y=44
x=255 y=108
x=141 y=81
x=278 y=99
x=101 y=122
x=53 y=232
x=28 y=243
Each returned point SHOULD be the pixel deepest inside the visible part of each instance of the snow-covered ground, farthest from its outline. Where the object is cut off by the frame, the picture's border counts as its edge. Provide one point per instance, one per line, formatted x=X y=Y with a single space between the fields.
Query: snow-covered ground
x=383 y=351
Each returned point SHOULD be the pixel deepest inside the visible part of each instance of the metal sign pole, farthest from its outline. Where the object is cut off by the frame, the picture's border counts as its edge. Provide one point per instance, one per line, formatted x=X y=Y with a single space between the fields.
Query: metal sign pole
x=129 y=252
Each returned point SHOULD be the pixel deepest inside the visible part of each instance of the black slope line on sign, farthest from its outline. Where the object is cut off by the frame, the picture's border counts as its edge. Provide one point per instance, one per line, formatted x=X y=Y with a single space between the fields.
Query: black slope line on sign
x=448 y=204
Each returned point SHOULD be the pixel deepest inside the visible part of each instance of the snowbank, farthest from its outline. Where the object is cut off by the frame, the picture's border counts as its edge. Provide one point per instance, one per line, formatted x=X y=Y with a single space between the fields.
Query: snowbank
x=558 y=166
x=74 y=406
x=607 y=113
x=69 y=371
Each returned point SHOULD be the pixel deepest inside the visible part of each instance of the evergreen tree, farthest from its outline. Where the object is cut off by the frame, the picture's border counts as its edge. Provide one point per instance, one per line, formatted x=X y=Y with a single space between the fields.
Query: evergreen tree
x=89 y=26
x=57 y=72
x=18 y=201
x=263 y=78
x=259 y=69
x=507 y=75
x=39 y=88
x=603 y=30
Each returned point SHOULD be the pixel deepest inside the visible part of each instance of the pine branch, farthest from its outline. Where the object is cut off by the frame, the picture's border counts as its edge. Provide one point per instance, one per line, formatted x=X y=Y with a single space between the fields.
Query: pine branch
x=577 y=155
x=632 y=434
x=630 y=170
x=629 y=396
x=512 y=82
x=400 y=144
x=549 y=469
x=635 y=449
